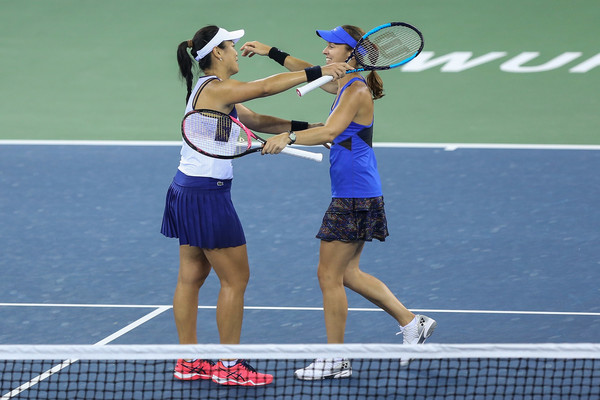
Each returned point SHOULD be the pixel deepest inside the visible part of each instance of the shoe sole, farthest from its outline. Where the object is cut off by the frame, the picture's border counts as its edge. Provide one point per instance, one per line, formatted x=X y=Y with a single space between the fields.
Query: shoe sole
x=190 y=377
x=405 y=362
x=338 y=375
x=427 y=331
x=229 y=382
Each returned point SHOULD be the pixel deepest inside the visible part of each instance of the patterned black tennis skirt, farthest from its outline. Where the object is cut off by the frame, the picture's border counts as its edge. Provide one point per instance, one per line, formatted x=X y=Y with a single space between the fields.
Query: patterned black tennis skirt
x=349 y=220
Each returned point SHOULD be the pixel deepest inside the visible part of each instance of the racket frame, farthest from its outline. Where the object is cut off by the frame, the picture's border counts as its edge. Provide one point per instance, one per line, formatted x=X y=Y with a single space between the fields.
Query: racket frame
x=377 y=29
x=250 y=136
x=363 y=67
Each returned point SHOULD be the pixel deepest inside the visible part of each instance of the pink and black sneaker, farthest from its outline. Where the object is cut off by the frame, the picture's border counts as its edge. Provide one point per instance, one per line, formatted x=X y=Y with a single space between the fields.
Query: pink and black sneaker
x=242 y=374
x=192 y=370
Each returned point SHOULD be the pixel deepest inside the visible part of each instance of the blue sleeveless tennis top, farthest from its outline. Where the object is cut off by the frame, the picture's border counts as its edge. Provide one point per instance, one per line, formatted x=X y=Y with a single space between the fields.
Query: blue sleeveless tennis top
x=353 y=169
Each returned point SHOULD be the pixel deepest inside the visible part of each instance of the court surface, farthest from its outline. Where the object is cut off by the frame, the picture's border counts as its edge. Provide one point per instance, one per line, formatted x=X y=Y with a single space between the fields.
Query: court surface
x=497 y=244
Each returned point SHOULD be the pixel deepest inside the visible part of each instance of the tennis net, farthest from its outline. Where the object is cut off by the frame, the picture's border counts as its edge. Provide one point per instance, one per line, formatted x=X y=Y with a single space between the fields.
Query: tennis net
x=435 y=371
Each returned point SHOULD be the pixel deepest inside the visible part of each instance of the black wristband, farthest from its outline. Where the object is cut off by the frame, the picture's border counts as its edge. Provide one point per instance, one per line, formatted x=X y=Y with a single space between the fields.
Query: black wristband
x=299 y=125
x=313 y=73
x=277 y=55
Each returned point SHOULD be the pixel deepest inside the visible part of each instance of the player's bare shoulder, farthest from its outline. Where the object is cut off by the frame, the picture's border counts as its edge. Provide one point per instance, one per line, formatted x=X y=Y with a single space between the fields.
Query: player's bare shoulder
x=358 y=91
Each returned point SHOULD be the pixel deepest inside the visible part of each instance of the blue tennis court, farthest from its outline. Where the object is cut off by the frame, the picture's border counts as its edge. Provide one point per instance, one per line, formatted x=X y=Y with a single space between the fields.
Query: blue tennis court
x=499 y=245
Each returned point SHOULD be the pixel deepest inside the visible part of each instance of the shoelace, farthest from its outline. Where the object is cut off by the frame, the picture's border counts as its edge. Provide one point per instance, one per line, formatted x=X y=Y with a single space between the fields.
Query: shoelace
x=401 y=330
x=211 y=363
x=247 y=366
x=402 y=333
x=201 y=367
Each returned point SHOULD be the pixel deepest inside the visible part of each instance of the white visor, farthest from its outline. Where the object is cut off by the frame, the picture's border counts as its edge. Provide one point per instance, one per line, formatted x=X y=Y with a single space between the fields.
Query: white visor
x=221 y=36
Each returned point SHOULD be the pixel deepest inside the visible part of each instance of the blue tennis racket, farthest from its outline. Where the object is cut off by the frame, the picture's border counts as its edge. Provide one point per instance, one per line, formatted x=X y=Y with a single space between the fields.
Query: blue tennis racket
x=387 y=46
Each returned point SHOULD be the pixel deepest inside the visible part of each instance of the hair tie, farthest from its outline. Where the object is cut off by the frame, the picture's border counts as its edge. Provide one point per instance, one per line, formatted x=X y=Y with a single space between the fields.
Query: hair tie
x=190 y=43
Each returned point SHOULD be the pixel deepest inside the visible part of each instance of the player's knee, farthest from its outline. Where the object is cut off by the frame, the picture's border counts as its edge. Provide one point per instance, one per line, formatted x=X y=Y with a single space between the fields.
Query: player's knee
x=328 y=279
x=237 y=283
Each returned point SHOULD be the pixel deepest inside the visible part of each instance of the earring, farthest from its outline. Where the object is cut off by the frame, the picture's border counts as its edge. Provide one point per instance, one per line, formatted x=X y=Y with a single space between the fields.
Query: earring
x=220 y=59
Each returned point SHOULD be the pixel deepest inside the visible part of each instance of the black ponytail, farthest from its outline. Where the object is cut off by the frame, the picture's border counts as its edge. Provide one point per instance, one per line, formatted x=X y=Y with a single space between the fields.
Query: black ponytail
x=185 y=58
x=185 y=67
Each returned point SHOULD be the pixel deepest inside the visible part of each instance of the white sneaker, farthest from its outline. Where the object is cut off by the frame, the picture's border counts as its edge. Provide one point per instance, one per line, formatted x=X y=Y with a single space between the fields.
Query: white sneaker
x=325 y=369
x=417 y=333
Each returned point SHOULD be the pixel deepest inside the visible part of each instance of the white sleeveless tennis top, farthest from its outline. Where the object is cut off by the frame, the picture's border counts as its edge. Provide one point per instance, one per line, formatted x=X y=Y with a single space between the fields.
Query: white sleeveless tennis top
x=193 y=163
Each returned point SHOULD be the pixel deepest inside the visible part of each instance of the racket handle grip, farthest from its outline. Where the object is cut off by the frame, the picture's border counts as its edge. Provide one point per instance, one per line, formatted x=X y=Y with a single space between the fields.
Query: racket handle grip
x=310 y=86
x=309 y=155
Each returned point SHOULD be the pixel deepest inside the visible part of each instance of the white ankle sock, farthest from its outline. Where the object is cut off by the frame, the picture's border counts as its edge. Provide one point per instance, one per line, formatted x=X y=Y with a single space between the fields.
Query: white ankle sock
x=228 y=363
x=410 y=325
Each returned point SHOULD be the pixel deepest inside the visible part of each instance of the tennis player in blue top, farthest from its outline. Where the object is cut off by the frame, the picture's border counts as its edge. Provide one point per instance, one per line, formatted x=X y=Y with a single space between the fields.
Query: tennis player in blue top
x=356 y=213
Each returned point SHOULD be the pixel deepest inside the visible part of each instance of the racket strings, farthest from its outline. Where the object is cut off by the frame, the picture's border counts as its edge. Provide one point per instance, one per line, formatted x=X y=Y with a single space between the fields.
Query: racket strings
x=215 y=133
x=388 y=46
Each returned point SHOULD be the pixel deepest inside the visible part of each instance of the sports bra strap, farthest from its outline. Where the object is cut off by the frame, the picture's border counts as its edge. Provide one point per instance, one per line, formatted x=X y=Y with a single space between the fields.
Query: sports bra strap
x=351 y=81
x=357 y=78
x=206 y=82
x=233 y=112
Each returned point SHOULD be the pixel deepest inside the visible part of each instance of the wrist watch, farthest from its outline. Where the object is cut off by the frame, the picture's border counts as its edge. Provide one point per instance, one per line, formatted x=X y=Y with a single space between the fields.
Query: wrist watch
x=292 y=136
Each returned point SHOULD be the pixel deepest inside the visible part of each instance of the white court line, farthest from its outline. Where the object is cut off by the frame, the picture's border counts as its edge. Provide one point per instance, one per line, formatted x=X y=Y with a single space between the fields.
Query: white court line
x=489 y=146
x=433 y=311
x=271 y=308
x=445 y=146
x=59 y=367
x=82 y=305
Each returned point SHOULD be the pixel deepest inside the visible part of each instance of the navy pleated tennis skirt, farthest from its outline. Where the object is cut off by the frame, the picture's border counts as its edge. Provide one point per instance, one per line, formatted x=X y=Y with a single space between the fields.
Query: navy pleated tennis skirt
x=199 y=212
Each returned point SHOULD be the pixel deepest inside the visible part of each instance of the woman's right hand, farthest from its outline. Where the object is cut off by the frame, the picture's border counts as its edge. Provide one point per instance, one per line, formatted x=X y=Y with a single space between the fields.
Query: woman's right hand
x=251 y=48
x=336 y=70
x=276 y=143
